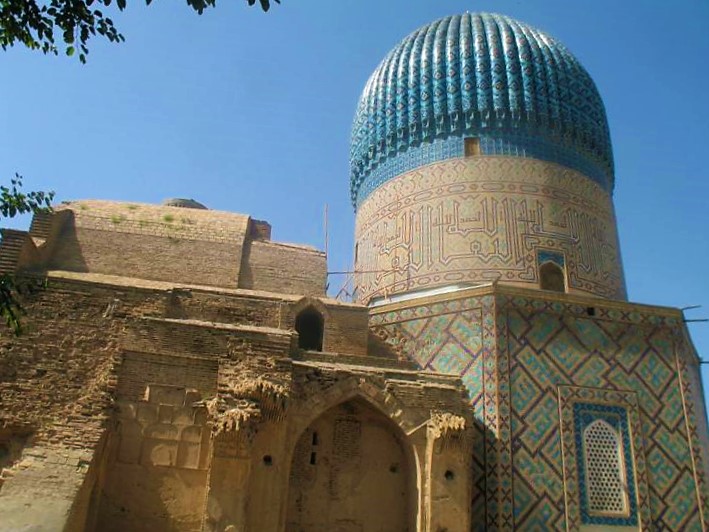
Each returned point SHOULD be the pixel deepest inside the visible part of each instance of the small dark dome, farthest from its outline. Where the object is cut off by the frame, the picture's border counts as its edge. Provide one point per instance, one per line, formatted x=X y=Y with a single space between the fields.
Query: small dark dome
x=518 y=90
x=184 y=203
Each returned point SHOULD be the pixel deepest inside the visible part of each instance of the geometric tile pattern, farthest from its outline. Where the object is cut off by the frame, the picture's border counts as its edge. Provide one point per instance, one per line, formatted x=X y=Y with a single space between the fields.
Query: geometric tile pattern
x=454 y=337
x=445 y=337
x=526 y=360
x=616 y=408
x=550 y=348
x=692 y=388
x=502 y=504
x=517 y=89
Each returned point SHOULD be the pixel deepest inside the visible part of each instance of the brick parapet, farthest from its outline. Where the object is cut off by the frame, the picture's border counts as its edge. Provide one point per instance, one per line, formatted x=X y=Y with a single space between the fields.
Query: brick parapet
x=158 y=220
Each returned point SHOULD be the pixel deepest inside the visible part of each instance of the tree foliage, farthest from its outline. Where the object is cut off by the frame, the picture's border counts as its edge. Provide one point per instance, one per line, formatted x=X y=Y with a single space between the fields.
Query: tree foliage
x=14 y=201
x=45 y=24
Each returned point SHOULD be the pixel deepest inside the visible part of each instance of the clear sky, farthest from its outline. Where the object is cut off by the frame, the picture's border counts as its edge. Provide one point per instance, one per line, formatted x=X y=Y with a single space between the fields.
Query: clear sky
x=251 y=112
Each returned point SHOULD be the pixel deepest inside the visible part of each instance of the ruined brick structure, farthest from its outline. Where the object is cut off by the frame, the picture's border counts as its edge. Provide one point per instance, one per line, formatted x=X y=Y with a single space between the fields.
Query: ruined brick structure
x=172 y=394
x=180 y=371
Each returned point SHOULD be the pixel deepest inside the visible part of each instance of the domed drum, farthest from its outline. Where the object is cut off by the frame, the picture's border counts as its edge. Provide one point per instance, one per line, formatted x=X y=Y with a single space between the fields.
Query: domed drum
x=481 y=153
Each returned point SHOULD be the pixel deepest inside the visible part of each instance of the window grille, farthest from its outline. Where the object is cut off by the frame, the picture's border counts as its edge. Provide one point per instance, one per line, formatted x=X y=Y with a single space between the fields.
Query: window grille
x=607 y=486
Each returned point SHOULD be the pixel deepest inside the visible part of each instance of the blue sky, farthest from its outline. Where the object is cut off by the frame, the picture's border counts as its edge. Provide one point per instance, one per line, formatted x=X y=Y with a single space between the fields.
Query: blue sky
x=251 y=112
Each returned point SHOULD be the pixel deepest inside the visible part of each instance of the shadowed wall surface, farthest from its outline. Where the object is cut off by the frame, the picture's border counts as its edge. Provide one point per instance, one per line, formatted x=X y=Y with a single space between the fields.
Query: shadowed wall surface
x=348 y=463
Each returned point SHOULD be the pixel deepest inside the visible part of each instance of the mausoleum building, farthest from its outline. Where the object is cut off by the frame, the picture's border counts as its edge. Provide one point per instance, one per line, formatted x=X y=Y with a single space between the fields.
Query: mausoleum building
x=178 y=370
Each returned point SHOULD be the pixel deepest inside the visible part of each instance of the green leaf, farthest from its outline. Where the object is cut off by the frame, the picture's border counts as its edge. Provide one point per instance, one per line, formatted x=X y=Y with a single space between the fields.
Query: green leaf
x=41 y=24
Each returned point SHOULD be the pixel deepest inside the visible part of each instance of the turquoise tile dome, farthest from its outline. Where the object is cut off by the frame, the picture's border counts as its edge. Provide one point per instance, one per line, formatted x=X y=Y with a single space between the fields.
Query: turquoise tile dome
x=517 y=89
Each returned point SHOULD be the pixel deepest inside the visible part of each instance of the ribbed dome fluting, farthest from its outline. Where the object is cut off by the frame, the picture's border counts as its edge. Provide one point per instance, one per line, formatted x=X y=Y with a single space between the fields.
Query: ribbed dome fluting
x=516 y=88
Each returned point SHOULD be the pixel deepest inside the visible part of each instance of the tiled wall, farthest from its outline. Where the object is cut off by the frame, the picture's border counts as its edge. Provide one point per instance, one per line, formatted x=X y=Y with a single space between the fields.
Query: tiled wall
x=483 y=75
x=511 y=143
x=482 y=219
x=525 y=370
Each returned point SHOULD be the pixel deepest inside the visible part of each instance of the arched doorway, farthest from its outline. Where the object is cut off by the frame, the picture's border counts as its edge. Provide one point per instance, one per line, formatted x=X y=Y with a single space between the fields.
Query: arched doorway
x=309 y=326
x=351 y=472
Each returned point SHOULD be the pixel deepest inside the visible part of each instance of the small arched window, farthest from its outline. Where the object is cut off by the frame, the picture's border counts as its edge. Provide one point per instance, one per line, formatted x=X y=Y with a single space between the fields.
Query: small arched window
x=607 y=487
x=551 y=277
x=310 y=325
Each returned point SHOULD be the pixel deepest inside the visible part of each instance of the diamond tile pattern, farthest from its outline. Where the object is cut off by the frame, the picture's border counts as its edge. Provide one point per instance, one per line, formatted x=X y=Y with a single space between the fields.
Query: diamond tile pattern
x=515 y=355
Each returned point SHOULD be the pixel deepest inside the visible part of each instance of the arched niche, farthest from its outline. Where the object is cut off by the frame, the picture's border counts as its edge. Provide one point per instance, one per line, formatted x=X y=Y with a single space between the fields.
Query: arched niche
x=352 y=467
x=551 y=277
x=310 y=326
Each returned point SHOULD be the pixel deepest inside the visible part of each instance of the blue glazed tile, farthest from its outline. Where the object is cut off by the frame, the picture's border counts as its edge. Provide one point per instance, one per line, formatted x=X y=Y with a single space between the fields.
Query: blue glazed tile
x=550 y=256
x=478 y=75
x=616 y=417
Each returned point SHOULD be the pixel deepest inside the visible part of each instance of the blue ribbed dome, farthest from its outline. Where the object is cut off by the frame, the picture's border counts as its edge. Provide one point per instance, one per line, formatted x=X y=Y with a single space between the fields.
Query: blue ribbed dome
x=517 y=89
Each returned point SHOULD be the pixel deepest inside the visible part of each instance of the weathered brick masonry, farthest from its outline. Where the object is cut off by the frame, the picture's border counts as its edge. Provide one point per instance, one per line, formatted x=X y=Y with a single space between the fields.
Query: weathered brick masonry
x=170 y=393
x=136 y=400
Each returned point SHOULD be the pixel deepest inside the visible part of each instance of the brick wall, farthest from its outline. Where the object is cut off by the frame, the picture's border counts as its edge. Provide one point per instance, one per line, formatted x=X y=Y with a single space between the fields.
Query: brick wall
x=345 y=326
x=226 y=308
x=56 y=390
x=283 y=268
x=346 y=330
x=86 y=375
x=139 y=370
x=147 y=256
x=57 y=377
x=188 y=246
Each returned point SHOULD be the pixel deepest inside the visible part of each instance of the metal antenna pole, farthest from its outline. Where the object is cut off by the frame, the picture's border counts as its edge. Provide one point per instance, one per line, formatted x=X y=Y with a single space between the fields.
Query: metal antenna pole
x=326 y=235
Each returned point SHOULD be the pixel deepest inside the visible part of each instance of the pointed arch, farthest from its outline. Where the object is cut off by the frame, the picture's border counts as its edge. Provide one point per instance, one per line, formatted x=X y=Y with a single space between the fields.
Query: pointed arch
x=334 y=436
x=551 y=277
x=607 y=491
x=309 y=318
x=350 y=388
x=313 y=302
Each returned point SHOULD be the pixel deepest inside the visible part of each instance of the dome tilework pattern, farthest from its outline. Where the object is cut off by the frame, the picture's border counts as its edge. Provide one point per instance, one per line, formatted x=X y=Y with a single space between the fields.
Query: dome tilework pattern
x=516 y=88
